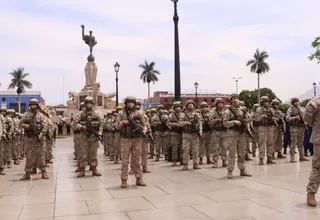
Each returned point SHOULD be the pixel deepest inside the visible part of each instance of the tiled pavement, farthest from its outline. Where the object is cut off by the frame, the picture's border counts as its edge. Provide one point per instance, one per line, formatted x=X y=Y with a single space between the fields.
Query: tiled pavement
x=275 y=192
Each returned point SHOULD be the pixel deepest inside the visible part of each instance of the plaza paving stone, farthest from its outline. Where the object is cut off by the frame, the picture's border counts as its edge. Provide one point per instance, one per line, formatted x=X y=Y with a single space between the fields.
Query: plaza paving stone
x=274 y=192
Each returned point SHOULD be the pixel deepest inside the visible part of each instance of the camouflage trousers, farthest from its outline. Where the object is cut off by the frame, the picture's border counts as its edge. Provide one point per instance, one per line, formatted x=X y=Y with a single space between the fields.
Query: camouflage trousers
x=35 y=154
x=152 y=146
x=131 y=146
x=236 y=147
x=277 y=140
x=176 y=141
x=255 y=140
x=314 y=179
x=219 y=145
x=144 y=155
x=49 y=149
x=266 y=141
x=8 y=145
x=190 y=144
x=205 y=147
x=297 y=135
x=116 y=146
x=109 y=142
x=105 y=138
x=15 y=148
x=88 y=149
x=161 y=143
x=248 y=139
x=1 y=155
x=22 y=146
x=76 y=142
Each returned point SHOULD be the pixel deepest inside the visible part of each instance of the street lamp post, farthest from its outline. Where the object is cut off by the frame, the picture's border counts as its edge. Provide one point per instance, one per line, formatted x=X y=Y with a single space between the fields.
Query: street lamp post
x=116 y=69
x=314 y=89
x=237 y=80
x=177 y=81
x=196 y=84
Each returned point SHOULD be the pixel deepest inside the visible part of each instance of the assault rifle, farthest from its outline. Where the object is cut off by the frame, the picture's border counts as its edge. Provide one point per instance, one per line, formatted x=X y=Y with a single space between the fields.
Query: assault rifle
x=165 y=124
x=138 y=128
x=195 y=127
x=244 y=125
x=51 y=140
x=92 y=131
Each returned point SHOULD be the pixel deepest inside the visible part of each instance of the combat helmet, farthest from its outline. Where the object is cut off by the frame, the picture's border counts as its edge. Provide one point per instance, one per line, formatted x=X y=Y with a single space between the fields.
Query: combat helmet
x=3 y=109
x=177 y=104
x=130 y=99
x=82 y=104
x=118 y=108
x=241 y=103
x=264 y=99
x=153 y=110
x=138 y=102
x=165 y=112
x=293 y=100
x=160 y=107
x=190 y=101
x=34 y=101
x=275 y=102
x=232 y=96
x=148 y=111
x=256 y=106
x=218 y=100
x=89 y=99
x=203 y=104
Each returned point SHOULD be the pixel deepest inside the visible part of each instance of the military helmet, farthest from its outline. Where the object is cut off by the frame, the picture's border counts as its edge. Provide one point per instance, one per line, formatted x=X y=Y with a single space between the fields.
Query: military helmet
x=82 y=104
x=177 y=104
x=34 y=101
x=204 y=104
x=256 y=106
x=148 y=111
x=118 y=107
x=218 y=100
x=241 y=103
x=165 y=111
x=130 y=98
x=17 y=114
x=190 y=101
x=153 y=110
x=275 y=102
x=171 y=110
x=10 y=111
x=232 y=96
x=138 y=102
x=293 y=100
x=264 y=99
x=3 y=109
x=160 y=107
x=88 y=99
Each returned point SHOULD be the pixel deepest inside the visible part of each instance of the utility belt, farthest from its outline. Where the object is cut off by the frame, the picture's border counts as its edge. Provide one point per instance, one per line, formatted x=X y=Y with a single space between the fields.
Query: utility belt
x=189 y=131
x=219 y=129
x=176 y=130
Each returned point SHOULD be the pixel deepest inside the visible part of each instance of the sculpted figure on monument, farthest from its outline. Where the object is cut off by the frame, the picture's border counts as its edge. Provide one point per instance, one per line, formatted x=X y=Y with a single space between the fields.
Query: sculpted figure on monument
x=73 y=99
x=88 y=39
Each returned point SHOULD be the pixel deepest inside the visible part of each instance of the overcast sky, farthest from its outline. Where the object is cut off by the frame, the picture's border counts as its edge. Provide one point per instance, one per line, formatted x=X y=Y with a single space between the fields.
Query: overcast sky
x=216 y=40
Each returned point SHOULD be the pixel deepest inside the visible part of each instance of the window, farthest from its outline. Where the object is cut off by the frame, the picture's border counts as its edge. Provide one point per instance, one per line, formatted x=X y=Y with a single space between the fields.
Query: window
x=212 y=100
x=3 y=99
x=205 y=100
x=165 y=100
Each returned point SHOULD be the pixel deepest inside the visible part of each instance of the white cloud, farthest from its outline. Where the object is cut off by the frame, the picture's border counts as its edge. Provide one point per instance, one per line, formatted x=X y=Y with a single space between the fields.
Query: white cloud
x=50 y=47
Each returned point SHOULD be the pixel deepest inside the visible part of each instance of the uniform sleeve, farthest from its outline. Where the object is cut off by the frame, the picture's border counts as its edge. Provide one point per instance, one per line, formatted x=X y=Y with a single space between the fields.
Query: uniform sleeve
x=183 y=120
x=199 y=122
x=258 y=115
x=11 y=127
x=310 y=112
x=289 y=114
x=119 y=125
x=77 y=120
x=100 y=119
x=227 y=123
x=45 y=125
x=1 y=128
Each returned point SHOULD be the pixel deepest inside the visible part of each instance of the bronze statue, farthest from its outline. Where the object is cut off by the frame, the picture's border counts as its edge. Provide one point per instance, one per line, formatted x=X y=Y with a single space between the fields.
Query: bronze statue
x=89 y=39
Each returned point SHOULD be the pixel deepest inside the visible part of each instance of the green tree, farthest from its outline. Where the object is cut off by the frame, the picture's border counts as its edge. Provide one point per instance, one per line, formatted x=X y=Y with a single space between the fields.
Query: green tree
x=284 y=107
x=148 y=75
x=316 y=45
x=259 y=65
x=250 y=97
x=19 y=81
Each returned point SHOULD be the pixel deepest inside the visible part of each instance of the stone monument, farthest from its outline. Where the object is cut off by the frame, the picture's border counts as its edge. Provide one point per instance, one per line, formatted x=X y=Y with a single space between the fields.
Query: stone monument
x=92 y=87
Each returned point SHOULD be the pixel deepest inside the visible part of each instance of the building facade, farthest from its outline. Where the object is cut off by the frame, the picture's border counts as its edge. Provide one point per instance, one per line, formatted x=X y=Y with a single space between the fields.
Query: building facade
x=9 y=99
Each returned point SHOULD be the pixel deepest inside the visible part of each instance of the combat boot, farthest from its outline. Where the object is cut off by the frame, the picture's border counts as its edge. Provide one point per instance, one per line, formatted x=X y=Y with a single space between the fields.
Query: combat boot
x=292 y=158
x=254 y=153
x=140 y=182
x=280 y=156
x=200 y=160
x=302 y=158
x=124 y=184
x=16 y=162
x=77 y=170
x=311 y=200
x=9 y=165
x=224 y=163
x=26 y=176
x=229 y=175
x=95 y=172
x=214 y=164
x=116 y=161
x=185 y=167
x=270 y=161
x=246 y=157
x=34 y=171
x=261 y=161
x=243 y=172
x=196 y=166
x=2 y=172
x=145 y=170
x=131 y=172
x=82 y=172
x=209 y=161
x=44 y=174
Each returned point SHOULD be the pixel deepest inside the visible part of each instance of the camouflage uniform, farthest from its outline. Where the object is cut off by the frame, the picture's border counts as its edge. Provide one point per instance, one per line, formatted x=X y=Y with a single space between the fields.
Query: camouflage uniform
x=278 y=129
x=219 y=134
x=90 y=124
x=76 y=137
x=36 y=128
x=153 y=111
x=255 y=141
x=2 y=135
x=236 y=137
x=158 y=122
x=9 y=131
x=176 y=132
x=15 y=143
x=265 y=116
x=116 y=152
x=19 y=136
x=297 y=129
x=131 y=140
x=205 y=147
x=312 y=118
x=108 y=133
x=49 y=143
x=190 y=122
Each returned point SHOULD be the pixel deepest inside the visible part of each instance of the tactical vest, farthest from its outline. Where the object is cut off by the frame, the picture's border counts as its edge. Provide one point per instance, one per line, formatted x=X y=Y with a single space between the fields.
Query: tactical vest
x=218 y=126
x=296 y=123
x=161 y=127
x=266 y=121
x=176 y=120
x=127 y=131
x=238 y=114
x=190 y=129
x=90 y=120
x=35 y=127
x=206 y=126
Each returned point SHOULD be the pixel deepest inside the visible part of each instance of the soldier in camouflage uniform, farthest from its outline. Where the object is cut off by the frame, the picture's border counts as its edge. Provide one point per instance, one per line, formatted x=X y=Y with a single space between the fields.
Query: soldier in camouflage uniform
x=9 y=130
x=131 y=140
x=49 y=139
x=312 y=118
x=297 y=129
x=159 y=122
x=153 y=111
x=116 y=145
x=77 y=138
x=279 y=129
x=176 y=132
x=107 y=133
x=265 y=117
x=205 y=141
x=236 y=137
x=2 y=136
x=89 y=123
x=18 y=135
x=219 y=134
x=191 y=124
x=15 y=144
x=36 y=128
x=255 y=140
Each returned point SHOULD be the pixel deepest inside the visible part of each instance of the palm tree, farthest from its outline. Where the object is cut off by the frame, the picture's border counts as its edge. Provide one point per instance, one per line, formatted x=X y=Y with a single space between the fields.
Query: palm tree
x=148 y=75
x=259 y=66
x=19 y=80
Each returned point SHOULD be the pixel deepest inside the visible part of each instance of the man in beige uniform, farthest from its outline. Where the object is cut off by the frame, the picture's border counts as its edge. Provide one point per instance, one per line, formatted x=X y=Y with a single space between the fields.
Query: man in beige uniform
x=206 y=140
x=279 y=129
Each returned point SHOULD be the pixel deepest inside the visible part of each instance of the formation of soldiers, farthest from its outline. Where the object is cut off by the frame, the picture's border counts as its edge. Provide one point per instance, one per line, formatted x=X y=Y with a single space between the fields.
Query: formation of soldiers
x=27 y=136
